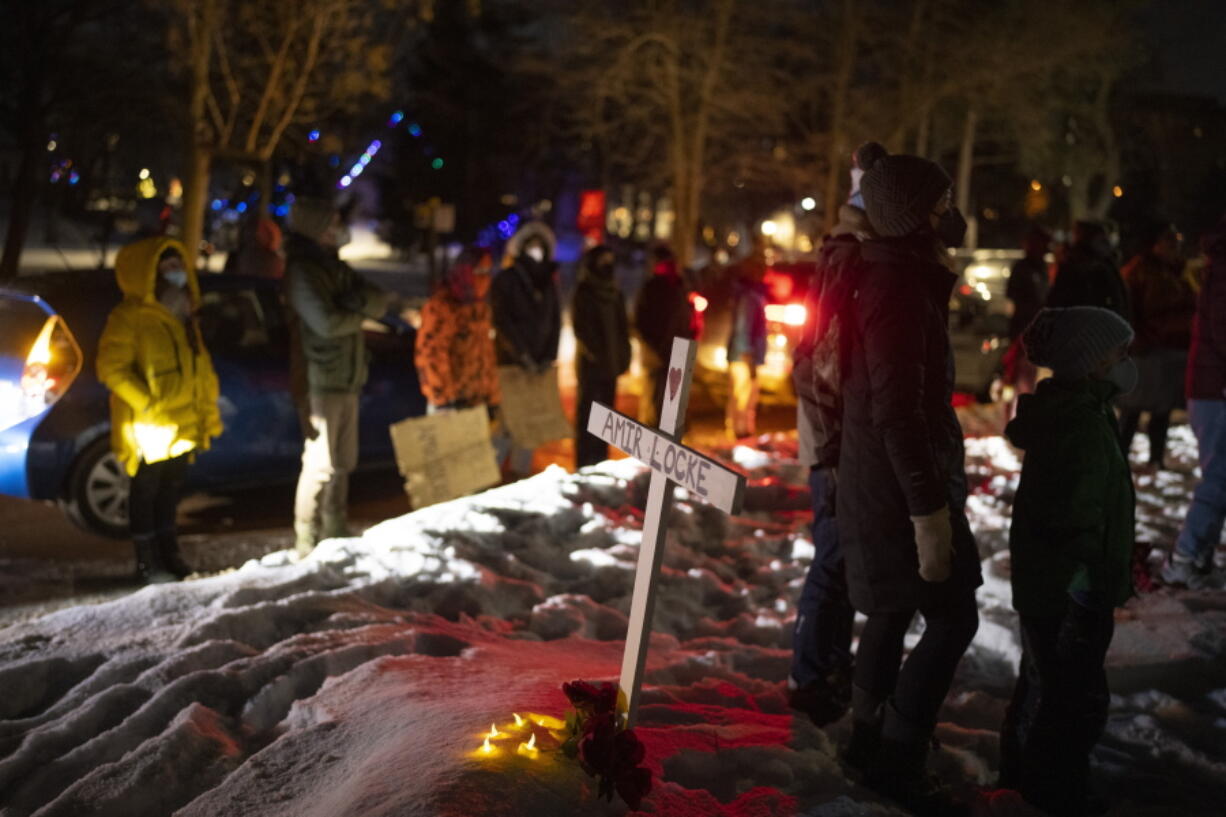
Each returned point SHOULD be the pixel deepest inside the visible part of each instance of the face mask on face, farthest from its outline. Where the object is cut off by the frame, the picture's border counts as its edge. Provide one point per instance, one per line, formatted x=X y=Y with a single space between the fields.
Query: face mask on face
x=951 y=228
x=177 y=277
x=1123 y=375
x=535 y=253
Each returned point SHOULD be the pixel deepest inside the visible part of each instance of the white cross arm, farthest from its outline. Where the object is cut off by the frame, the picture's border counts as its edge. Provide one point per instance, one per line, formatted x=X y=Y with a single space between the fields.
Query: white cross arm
x=700 y=476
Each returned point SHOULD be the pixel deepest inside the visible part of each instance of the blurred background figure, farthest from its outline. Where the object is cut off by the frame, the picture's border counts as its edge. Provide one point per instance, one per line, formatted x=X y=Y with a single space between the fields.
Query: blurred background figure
x=1087 y=274
x=1192 y=558
x=454 y=351
x=662 y=312
x=746 y=350
x=1029 y=283
x=1163 y=305
x=527 y=317
x=259 y=250
x=164 y=394
x=328 y=302
x=602 y=335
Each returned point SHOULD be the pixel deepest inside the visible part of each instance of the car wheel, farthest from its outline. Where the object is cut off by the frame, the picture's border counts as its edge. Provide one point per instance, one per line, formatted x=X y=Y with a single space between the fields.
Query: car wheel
x=97 y=498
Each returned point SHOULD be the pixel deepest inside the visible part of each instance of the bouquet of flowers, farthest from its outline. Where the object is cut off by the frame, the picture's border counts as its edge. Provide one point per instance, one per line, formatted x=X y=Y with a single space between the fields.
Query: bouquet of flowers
x=596 y=734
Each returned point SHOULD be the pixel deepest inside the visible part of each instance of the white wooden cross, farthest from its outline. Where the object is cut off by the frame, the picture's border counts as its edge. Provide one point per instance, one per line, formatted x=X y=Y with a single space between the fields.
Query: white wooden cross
x=671 y=464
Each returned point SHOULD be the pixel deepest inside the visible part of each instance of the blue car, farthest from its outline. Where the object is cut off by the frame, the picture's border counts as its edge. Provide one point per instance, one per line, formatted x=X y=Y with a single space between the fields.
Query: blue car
x=54 y=415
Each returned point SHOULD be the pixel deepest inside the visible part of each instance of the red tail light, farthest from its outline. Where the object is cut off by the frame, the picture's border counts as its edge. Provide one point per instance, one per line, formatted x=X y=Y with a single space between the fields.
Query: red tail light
x=700 y=303
x=52 y=363
x=790 y=314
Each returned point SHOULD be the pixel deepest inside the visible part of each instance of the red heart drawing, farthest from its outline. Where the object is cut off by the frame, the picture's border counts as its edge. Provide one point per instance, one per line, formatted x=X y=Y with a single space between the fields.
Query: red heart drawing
x=674 y=383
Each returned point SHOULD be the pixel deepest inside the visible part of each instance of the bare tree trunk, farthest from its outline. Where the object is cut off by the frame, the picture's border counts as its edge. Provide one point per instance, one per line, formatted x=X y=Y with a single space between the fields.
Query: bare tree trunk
x=195 y=195
x=21 y=212
x=837 y=148
x=966 y=161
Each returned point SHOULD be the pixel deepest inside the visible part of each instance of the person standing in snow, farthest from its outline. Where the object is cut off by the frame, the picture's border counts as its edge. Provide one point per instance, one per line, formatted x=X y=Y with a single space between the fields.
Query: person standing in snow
x=1192 y=558
x=820 y=681
x=746 y=349
x=598 y=313
x=527 y=314
x=1070 y=547
x=662 y=312
x=328 y=302
x=164 y=394
x=454 y=351
x=1029 y=282
x=1087 y=275
x=1163 y=304
x=901 y=483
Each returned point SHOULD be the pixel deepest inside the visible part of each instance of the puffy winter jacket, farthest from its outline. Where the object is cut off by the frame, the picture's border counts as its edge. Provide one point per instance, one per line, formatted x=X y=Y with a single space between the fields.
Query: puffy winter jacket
x=527 y=313
x=1163 y=303
x=454 y=352
x=902 y=452
x=1089 y=277
x=598 y=313
x=329 y=301
x=1206 y=378
x=1072 y=529
x=164 y=391
x=663 y=312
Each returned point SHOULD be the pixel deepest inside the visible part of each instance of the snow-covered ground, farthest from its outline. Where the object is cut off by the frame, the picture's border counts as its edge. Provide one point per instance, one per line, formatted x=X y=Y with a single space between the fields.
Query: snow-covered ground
x=362 y=680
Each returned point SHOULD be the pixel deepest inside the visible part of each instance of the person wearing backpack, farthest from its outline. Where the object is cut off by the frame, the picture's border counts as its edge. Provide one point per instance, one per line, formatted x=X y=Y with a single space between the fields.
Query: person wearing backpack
x=902 y=483
x=820 y=681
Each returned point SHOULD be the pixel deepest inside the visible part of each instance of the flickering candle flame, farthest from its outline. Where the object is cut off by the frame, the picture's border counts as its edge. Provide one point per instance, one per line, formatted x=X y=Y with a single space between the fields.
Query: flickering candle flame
x=494 y=733
x=529 y=748
x=486 y=746
x=518 y=720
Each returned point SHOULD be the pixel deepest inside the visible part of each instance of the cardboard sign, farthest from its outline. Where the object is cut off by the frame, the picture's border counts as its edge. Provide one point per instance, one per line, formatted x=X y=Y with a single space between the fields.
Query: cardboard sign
x=532 y=407
x=445 y=456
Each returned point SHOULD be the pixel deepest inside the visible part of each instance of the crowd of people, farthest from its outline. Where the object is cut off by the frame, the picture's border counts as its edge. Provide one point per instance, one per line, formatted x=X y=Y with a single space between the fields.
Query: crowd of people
x=1096 y=348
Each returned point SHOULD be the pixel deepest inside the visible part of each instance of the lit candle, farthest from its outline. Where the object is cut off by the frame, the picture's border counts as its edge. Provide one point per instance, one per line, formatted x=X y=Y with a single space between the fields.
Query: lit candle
x=529 y=749
x=494 y=733
x=519 y=722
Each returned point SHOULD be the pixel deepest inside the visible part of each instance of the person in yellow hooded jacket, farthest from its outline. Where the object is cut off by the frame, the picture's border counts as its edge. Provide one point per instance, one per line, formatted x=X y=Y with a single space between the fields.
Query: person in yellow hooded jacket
x=164 y=393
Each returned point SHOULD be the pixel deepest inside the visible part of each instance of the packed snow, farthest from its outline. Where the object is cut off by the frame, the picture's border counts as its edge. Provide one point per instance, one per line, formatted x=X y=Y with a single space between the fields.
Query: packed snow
x=362 y=680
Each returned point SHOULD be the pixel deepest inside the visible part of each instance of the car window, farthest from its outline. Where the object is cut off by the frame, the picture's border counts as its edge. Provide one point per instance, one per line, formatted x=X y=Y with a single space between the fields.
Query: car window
x=234 y=322
x=22 y=321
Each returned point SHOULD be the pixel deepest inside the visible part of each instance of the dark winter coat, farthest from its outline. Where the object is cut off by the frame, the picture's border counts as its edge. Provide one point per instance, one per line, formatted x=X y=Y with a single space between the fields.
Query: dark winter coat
x=328 y=301
x=1073 y=517
x=602 y=330
x=838 y=260
x=527 y=313
x=748 y=336
x=1089 y=277
x=1163 y=303
x=1207 y=360
x=1027 y=289
x=902 y=451
x=663 y=312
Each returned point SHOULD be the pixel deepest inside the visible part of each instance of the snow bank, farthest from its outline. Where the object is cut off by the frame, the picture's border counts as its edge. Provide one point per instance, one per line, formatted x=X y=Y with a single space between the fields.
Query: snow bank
x=363 y=679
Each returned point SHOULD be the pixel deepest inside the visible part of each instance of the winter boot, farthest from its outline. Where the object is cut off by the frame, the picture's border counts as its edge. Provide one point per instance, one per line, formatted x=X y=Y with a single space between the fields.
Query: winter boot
x=900 y=771
x=1182 y=571
x=149 y=567
x=306 y=536
x=860 y=753
x=172 y=558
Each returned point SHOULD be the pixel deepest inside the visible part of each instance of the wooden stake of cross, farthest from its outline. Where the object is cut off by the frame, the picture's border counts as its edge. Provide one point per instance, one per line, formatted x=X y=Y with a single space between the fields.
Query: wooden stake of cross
x=671 y=464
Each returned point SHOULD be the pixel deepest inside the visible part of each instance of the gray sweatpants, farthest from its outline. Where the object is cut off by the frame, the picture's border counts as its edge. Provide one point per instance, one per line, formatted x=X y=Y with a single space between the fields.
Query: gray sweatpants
x=323 y=485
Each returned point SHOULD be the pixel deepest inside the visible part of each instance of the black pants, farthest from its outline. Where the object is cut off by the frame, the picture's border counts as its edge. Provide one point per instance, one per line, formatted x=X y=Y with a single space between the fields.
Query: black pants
x=154 y=496
x=821 y=639
x=1159 y=424
x=1059 y=707
x=593 y=385
x=919 y=687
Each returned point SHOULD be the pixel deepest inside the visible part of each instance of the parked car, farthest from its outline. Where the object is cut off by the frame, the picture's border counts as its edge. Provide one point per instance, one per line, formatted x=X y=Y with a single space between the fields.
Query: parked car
x=979 y=321
x=54 y=415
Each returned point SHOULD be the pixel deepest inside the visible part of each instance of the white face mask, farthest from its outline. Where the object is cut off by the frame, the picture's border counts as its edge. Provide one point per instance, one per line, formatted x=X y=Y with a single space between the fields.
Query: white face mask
x=535 y=253
x=177 y=277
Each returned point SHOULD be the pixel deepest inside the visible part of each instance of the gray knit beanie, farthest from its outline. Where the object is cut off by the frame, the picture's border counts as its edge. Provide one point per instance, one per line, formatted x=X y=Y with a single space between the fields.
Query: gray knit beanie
x=311 y=216
x=1072 y=342
x=900 y=191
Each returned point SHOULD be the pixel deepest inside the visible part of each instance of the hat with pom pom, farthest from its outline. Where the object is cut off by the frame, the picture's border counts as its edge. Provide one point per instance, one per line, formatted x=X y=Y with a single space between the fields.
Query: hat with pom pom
x=1073 y=341
x=899 y=190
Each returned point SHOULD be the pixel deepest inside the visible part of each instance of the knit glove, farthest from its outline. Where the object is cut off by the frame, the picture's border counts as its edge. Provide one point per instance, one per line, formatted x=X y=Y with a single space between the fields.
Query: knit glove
x=934 y=544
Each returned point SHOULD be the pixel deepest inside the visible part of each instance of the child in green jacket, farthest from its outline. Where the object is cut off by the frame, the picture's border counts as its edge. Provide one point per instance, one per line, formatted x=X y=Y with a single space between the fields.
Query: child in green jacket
x=1070 y=544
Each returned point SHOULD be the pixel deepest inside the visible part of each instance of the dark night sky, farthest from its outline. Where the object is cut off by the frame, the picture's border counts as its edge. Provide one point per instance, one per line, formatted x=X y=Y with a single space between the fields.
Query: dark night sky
x=1189 y=37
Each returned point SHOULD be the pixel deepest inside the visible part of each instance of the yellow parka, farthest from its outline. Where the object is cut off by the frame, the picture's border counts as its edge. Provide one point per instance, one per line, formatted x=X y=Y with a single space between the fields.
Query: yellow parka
x=164 y=391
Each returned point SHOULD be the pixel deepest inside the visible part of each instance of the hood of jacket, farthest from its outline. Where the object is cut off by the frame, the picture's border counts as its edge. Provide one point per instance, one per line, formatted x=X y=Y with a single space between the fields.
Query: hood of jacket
x=852 y=221
x=136 y=267
x=1046 y=413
